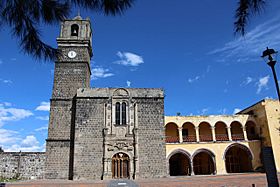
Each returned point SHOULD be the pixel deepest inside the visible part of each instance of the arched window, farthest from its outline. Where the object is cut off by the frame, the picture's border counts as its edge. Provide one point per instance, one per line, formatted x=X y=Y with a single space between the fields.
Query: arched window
x=118 y=114
x=123 y=113
x=74 y=30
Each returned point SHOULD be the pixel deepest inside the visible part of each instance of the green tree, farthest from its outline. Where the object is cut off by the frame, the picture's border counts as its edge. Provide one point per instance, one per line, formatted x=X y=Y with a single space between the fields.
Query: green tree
x=1 y=150
x=246 y=9
x=24 y=17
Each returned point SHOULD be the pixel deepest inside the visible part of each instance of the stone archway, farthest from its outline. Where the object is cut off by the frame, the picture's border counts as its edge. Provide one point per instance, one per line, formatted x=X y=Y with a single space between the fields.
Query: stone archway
x=171 y=133
x=120 y=166
x=204 y=163
x=236 y=131
x=205 y=134
x=179 y=164
x=221 y=131
x=238 y=159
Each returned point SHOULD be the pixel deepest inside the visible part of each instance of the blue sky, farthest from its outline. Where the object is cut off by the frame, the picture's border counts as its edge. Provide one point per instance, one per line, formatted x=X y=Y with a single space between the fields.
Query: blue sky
x=186 y=47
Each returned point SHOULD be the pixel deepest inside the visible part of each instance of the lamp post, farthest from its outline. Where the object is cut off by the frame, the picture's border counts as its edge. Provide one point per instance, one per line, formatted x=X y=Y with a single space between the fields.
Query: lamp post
x=269 y=56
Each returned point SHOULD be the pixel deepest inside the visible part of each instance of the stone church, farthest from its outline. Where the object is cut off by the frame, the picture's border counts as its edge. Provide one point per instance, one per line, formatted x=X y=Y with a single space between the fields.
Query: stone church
x=100 y=133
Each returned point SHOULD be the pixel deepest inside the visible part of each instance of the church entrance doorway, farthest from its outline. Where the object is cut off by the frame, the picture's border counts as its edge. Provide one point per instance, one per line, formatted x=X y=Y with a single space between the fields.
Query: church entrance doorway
x=179 y=164
x=120 y=166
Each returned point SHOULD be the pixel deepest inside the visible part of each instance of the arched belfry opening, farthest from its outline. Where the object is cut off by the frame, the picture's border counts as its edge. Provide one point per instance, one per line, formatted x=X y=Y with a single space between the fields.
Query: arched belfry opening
x=120 y=166
x=179 y=164
x=74 y=30
x=238 y=159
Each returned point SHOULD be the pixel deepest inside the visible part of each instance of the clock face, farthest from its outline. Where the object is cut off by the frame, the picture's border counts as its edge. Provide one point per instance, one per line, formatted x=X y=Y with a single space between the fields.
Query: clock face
x=72 y=54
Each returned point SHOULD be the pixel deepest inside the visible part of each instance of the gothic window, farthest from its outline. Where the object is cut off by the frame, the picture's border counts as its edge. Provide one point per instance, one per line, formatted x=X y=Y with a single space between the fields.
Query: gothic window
x=123 y=113
x=74 y=30
x=118 y=113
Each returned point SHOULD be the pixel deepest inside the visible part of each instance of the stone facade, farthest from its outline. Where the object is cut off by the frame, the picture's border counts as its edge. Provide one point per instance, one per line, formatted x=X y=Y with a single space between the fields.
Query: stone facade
x=141 y=138
x=22 y=165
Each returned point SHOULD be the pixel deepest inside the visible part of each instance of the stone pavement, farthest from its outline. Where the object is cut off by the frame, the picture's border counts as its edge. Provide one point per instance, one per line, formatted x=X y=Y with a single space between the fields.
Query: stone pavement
x=235 y=180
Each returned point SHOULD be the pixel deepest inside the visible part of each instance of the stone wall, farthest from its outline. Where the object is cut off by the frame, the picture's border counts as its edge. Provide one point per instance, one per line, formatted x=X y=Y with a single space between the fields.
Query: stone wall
x=151 y=138
x=23 y=165
x=88 y=148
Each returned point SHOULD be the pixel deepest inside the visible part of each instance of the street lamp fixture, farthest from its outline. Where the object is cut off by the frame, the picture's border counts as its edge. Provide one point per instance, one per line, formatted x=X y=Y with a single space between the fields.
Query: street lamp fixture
x=270 y=57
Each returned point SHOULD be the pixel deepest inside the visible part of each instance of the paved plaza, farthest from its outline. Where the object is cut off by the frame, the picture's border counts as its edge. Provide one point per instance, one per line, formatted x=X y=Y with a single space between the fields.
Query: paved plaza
x=237 y=180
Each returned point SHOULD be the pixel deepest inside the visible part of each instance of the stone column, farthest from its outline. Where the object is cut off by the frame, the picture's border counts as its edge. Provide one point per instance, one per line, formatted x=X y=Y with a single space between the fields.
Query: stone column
x=113 y=120
x=197 y=134
x=107 y=168
x=229 y=134
x=136 y=161
x=213 y=134
x=180 y=129
x=131 y=168
x=245 y=133
x=192 y=171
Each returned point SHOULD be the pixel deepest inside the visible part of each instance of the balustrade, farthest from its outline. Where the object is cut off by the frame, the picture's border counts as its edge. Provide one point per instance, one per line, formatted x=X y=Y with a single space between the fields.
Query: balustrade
x=211 y=137
x=205 y=138
x=171 y=139
x=190 y=138
x=222 y=137
x=236 y=137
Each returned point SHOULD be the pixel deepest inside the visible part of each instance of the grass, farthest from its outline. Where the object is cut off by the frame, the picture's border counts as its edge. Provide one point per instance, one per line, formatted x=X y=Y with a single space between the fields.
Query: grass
x=14 y=179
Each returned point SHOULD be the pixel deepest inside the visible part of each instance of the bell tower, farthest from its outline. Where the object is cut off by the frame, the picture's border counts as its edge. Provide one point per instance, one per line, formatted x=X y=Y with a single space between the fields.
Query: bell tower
x=72 y=71
x=72 y=68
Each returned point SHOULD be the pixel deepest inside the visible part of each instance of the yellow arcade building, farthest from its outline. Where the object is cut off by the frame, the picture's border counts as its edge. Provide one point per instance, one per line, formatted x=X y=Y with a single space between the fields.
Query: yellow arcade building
x=224 y=144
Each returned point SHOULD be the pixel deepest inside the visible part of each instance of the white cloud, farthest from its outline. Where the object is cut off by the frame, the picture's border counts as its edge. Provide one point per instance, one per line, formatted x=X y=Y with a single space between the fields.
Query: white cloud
x=100 y=72
x=11 y=141
x=28 y=144
x=128 y=83
x=42 y=128
x=249 y=48
x=6 y=81
x=7 y=104
x=204 y=111
x=190 y=80
x=236 y=110
x=44 y=106
x=262 y=83
x=29 y=141
x=268 y=97
x=45 y=118
x=12 y=114
x=8 y=136
x=223 y=111
x=43 y=147
x=247 y=81
x=129 y=59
